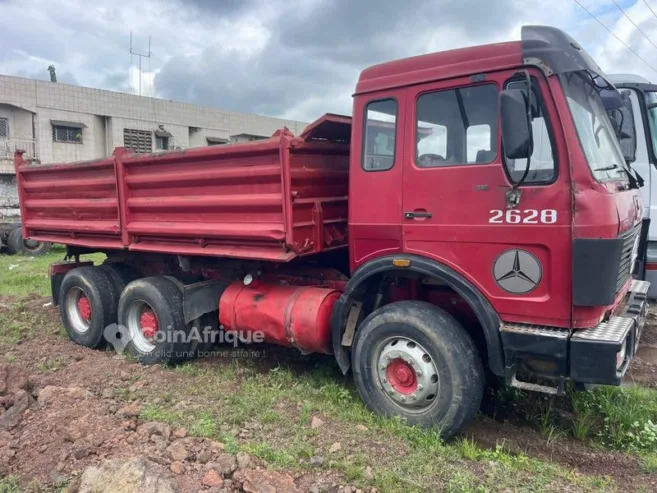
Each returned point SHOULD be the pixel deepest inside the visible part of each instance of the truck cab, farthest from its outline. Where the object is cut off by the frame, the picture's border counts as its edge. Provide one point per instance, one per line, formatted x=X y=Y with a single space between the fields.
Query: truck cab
x=642 y=96
x=542 y=231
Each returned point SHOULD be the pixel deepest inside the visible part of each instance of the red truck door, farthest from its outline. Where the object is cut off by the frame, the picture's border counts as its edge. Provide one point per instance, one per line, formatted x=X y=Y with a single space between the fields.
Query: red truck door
x=375 y=198
x=454 y=204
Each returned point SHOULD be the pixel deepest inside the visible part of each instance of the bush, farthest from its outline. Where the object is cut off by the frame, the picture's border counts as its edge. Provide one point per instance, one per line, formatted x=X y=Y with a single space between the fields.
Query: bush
x=619 y=417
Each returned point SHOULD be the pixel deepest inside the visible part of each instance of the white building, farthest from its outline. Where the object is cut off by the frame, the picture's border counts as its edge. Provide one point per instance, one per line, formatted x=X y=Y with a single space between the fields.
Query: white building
x=56 y=122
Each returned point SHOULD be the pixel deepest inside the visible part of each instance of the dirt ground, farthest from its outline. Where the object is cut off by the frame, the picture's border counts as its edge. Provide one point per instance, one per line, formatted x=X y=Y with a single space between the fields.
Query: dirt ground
x=65 y=408
x=643 y=369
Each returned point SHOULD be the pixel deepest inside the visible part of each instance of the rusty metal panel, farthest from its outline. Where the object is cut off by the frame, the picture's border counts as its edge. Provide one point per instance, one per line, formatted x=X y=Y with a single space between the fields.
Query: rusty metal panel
x=207 y=201
x=70 y=203
x=273 y=199
x=319 y=188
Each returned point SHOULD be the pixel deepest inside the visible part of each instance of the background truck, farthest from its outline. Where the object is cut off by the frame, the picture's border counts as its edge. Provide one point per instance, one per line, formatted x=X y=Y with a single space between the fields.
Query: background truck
x=475 y=215
x=12 y=241
x=11 y=238
x=643 y=97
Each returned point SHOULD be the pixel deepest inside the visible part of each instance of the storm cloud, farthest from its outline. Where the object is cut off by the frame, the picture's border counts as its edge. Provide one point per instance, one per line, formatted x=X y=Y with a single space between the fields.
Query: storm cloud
x=296 y=59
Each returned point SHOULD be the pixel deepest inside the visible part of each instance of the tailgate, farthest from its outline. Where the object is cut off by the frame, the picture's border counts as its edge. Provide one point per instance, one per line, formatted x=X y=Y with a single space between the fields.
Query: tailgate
x=75 y=203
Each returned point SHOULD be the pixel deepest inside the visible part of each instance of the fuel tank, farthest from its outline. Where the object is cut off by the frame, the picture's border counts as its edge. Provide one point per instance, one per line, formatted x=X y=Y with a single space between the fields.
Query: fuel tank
x=297 y=316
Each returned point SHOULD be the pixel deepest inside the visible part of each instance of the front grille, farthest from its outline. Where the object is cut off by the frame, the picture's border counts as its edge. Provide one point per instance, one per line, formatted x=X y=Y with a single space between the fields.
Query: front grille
x=628 y=255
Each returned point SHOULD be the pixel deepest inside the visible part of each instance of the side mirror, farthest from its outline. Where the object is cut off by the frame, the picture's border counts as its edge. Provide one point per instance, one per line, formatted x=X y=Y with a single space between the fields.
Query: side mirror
x=517 y=135
x=622 y=120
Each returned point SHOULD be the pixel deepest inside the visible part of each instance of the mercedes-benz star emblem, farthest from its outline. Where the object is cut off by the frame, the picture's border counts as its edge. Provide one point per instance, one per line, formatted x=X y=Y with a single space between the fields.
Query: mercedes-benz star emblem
x=517 y=271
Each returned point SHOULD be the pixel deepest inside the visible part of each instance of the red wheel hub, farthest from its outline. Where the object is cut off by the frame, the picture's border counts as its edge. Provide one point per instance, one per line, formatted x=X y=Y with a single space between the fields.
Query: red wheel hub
x=148 y=323
x=401 y=376
x=84 y=308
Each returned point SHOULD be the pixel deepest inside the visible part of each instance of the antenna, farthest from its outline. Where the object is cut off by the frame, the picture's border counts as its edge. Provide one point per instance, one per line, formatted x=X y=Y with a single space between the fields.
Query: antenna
x=140 y=55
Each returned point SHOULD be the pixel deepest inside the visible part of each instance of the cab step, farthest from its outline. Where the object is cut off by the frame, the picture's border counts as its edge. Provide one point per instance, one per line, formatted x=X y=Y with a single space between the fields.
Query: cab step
x=534 y=387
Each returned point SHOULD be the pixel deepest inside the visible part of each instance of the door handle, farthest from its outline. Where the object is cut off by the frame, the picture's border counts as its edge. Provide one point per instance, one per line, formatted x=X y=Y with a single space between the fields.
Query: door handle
x=417 y=215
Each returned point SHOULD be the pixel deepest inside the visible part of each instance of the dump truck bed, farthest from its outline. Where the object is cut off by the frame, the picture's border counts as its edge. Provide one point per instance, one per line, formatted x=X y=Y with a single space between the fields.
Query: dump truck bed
x=273 y=199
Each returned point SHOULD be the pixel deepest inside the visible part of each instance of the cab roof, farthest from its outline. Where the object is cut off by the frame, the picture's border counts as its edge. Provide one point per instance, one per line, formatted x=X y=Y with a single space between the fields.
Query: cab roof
x=549 y=48
x=441 y=65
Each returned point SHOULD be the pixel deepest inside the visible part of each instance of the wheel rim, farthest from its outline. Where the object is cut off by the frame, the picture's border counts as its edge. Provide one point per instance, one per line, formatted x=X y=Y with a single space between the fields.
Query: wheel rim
x=142 y=326
x=78 y=309
x=407 y=374
x=31 y=244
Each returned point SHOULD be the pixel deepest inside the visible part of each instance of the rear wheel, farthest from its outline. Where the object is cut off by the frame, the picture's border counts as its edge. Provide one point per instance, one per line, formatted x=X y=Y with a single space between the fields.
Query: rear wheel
x=87 y=305
x=151 y=311
x=16 y=244
x=414 y=360
x=14 y=239
x=120 y=274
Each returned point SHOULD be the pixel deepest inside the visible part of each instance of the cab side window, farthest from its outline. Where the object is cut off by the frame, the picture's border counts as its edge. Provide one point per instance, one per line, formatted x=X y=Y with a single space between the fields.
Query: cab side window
x=380 y=135
x=456 y=127
x=542 y=167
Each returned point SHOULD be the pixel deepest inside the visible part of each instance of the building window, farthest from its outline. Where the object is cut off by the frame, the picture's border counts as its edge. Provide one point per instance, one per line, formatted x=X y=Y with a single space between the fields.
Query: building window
x=138 y=140
x=216 y=141
x=161 y=143
x=4 y=127
x=71 y=135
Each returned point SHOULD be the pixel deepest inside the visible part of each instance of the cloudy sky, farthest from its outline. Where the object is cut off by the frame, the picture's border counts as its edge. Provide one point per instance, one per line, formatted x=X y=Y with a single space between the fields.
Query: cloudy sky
x=290 y=58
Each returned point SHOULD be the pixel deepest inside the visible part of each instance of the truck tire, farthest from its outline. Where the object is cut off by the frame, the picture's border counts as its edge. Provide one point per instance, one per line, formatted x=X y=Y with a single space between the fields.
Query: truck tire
x=87 y=305
x=414 y=360
x=120 y=274
x=14 y=240
x=16 y=244
x=152 y=312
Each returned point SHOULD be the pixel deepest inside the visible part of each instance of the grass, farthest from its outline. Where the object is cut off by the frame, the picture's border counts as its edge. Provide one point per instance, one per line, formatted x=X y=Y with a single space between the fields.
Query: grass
x=649 y=463
x=283 y=400
x=51 y=365
x=19 y=322
x=10 y=485
x=621 y=418
x=230 y=393
x=23 y=275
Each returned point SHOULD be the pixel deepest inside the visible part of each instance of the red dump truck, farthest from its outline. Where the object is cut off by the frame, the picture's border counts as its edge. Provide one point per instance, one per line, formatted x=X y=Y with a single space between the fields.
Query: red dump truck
x=475 y=215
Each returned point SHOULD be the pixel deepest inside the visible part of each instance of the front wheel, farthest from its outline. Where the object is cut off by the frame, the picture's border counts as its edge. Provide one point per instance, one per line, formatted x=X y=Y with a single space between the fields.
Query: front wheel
x=414 y=360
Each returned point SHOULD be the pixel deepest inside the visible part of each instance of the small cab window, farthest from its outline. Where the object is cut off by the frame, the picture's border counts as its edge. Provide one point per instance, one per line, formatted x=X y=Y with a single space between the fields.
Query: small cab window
x=457 y=126
x=541 y=162
x=380 y=135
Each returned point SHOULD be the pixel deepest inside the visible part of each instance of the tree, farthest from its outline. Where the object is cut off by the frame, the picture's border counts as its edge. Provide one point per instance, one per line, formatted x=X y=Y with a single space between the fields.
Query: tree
x=53 y=74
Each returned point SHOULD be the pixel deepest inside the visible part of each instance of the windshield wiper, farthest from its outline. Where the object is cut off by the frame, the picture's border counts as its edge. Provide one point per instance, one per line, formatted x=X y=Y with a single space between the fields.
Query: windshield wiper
x=634 y=182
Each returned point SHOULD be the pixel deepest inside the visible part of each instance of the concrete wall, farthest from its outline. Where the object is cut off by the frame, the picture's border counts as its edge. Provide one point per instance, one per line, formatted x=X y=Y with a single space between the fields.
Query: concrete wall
x=20 y=121
x=235 y=139
x=198 y=136
x=30 y=105
x=107 y=113
x=8 y=197
x=93 y=140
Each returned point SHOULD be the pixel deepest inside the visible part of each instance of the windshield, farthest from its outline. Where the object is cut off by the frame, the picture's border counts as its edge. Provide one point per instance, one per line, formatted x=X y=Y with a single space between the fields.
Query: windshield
x=651 y=99
x=596 y=135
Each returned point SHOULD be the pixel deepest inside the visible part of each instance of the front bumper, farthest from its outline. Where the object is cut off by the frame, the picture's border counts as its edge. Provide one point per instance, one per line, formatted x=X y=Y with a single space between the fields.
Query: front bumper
x=594 y=352
x=599 y=355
